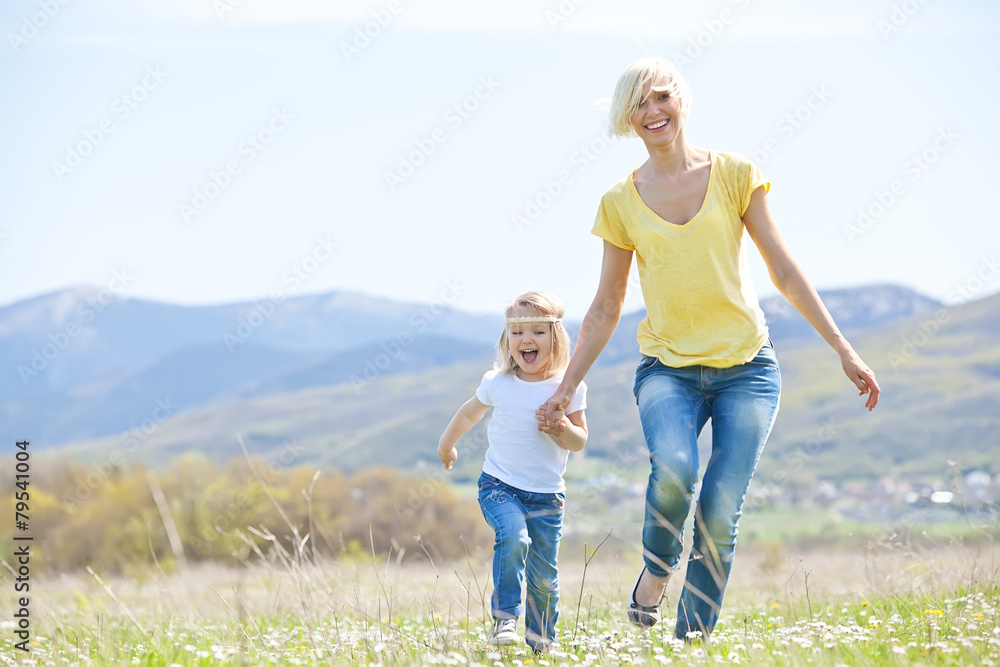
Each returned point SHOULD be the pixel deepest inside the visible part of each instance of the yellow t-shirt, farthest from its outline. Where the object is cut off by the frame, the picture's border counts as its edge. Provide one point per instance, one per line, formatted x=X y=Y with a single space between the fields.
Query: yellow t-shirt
x=701 y=306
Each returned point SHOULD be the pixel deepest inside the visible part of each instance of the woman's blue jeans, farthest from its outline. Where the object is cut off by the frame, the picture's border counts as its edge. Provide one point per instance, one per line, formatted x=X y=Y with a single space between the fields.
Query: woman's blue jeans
x=528 y=528
x=674 y=404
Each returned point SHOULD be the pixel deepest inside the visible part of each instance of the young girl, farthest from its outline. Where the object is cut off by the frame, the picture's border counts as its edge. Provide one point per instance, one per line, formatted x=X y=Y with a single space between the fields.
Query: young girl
x=521 y=490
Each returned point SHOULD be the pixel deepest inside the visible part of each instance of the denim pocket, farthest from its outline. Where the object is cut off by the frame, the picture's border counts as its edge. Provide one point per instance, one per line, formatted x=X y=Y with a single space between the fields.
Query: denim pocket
x=490 y=489
x=645 y=363
x=766 y=357
x=642 y=371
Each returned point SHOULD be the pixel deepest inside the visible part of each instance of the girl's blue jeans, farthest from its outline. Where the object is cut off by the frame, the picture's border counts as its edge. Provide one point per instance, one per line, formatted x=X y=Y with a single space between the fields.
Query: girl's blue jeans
x=528 y=528
x=674 y=404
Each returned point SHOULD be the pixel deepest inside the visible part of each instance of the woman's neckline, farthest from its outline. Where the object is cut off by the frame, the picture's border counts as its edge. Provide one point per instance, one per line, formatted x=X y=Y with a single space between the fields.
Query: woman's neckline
x=704 y=201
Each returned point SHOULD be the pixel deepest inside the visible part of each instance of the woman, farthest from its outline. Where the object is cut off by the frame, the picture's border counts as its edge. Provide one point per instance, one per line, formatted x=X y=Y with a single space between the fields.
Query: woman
x=704 y=343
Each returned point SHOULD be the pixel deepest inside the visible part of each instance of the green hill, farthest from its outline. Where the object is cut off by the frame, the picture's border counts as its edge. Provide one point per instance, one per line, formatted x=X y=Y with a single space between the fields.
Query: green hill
x=940 y=412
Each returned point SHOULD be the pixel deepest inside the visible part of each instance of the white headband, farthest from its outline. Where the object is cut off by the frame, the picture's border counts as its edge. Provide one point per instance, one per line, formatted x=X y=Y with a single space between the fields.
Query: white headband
x=536 y=318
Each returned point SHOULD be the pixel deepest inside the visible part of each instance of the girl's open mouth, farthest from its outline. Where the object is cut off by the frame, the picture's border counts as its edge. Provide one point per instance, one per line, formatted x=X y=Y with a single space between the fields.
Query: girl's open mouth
x=529 y=356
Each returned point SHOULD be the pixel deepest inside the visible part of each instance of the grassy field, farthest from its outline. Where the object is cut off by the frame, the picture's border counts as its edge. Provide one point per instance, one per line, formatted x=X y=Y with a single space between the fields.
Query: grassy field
x=884 y=605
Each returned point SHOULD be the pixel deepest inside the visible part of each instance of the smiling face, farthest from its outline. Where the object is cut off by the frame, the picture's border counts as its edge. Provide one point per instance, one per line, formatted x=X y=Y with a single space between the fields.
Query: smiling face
x=658 y=119
x=530 y=345
x=645 y=76
x=533 y=345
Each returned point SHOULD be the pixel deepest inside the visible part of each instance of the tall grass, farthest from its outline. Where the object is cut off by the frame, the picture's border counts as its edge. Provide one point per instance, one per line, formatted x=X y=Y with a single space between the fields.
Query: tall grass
x=896 y=599
x=933 y=607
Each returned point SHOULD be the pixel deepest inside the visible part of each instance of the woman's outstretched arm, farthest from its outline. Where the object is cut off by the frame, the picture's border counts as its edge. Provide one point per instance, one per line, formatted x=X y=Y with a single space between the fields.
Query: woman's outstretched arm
x=597 y=327
x=791 y=281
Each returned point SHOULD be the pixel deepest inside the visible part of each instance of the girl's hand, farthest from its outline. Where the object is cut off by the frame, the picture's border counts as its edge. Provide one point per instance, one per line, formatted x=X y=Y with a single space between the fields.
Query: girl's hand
x=556 y=430
x=448 y=456
x=862 y=377
x=556 y=427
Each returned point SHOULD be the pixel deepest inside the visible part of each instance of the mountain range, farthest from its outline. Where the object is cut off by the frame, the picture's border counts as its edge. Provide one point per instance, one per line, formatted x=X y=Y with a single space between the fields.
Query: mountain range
x=357 y=381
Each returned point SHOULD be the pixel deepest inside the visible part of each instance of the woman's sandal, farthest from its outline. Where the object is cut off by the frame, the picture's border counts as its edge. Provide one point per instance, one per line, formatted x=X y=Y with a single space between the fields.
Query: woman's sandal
x=645 y=617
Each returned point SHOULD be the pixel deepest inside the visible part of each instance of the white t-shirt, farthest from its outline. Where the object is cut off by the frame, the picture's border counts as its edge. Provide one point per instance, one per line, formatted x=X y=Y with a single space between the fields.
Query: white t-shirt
x=519 y=454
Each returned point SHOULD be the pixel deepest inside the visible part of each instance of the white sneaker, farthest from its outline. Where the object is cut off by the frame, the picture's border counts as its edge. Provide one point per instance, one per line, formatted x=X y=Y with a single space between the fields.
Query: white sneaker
x=504 y=632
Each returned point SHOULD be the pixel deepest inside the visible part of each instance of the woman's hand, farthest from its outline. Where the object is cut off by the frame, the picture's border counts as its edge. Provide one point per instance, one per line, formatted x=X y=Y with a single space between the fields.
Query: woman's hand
x=791 y=281
x=569 y=432
x=862 y=377
x=554 y=409
x=554 y=427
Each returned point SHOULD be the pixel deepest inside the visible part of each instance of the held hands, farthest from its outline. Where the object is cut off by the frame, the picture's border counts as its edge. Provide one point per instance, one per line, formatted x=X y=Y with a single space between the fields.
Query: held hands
x=554 y=427
x=554 y=409
x=862 y=377
x=570 y=433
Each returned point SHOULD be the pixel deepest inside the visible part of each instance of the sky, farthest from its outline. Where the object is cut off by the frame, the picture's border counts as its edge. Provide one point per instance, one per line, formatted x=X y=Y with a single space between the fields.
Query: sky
x=212 y=151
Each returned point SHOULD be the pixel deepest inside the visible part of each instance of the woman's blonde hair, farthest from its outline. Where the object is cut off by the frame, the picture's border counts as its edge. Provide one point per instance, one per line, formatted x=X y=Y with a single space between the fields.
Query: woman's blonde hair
x=533 y=305
x=632 y=82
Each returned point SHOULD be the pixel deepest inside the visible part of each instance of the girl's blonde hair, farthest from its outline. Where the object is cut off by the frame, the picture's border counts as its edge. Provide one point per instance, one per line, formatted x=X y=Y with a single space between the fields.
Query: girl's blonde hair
x=535 y=304
x=628 y=91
